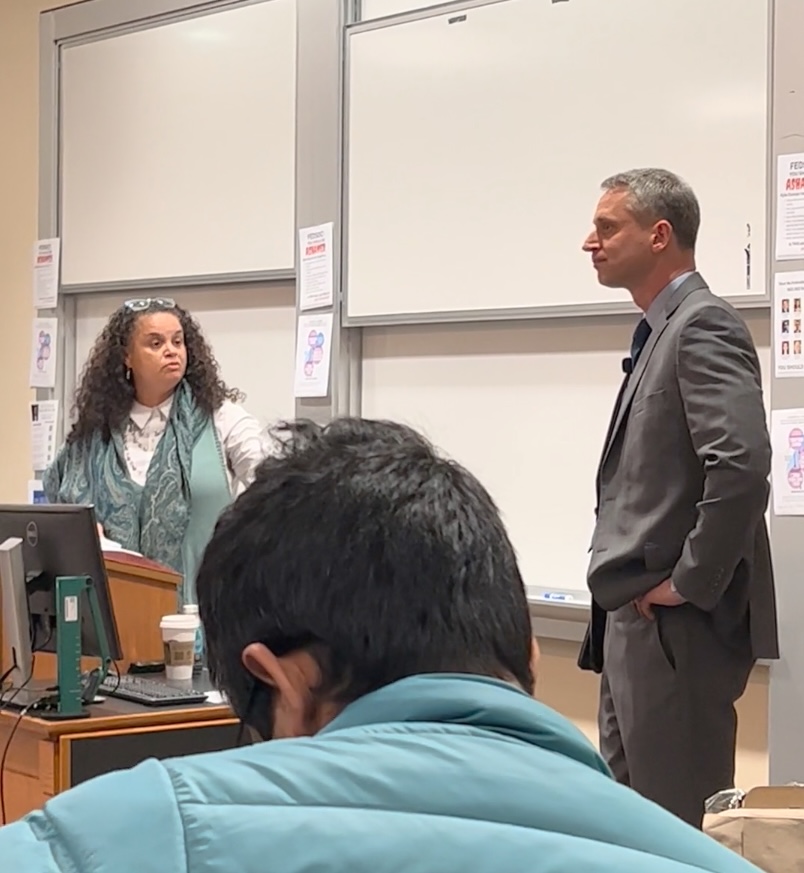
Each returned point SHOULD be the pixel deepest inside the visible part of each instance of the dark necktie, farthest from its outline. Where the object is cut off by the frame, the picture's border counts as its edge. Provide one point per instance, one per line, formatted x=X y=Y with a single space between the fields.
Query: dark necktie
x=640 y=337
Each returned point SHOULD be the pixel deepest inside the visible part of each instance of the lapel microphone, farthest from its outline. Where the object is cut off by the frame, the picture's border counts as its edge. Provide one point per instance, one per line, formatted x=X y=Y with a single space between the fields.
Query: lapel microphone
x=628 y=366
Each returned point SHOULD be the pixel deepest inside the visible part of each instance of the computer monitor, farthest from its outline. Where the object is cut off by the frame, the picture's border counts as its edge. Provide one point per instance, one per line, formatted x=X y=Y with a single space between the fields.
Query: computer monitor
x=43 y=542
x=17 y=635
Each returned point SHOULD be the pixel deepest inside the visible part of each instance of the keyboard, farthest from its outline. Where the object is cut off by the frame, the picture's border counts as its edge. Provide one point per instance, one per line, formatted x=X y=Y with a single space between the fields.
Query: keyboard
x=148 y=692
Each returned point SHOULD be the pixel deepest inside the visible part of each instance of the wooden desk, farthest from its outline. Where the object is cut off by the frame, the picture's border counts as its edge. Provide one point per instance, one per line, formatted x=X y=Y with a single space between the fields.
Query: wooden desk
x=46 y=757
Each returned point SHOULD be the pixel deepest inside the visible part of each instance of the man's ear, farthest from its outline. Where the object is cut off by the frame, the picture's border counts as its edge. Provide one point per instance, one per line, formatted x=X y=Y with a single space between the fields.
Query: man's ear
x=266 y=668
x=292 y=678
x=662 y=234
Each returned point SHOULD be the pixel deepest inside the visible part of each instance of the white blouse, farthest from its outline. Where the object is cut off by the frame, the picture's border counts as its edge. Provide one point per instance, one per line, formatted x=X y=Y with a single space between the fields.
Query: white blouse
x=239 y=433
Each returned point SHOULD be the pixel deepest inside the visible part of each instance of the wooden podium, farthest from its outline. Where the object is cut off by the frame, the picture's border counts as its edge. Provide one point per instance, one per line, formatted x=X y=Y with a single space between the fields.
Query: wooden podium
x=142 y=591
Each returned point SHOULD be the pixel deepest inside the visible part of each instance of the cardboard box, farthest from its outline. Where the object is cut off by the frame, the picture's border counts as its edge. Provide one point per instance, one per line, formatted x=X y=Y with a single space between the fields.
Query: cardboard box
x=767 y=831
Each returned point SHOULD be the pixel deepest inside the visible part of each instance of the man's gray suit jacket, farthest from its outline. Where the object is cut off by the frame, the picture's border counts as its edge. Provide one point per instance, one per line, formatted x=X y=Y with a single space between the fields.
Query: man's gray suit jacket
x=683 y=477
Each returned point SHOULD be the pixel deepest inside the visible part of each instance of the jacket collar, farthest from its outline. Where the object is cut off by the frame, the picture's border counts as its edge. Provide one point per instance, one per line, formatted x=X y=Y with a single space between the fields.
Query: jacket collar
x=471 y=701
x=657 y=312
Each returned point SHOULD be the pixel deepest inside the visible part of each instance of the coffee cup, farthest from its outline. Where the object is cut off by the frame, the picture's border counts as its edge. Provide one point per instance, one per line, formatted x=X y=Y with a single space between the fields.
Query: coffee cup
x=178 y=639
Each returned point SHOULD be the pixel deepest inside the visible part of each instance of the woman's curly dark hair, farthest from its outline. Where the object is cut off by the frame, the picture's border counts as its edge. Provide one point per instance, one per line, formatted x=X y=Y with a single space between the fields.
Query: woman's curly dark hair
x=104 y=396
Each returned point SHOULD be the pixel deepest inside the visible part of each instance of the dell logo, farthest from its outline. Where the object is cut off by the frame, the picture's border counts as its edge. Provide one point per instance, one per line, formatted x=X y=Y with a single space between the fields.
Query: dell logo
x=32 y=534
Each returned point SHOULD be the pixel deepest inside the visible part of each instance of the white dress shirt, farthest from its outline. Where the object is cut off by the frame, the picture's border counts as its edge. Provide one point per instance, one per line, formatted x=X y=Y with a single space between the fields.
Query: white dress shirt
x=239 y=433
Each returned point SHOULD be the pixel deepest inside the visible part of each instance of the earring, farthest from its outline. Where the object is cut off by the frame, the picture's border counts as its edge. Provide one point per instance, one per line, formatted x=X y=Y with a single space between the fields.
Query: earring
x=128 y=374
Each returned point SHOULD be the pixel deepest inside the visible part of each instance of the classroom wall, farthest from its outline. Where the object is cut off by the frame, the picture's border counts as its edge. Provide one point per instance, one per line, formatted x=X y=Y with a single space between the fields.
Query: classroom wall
x=560 y=684
x=18 y=191
x=19 y=167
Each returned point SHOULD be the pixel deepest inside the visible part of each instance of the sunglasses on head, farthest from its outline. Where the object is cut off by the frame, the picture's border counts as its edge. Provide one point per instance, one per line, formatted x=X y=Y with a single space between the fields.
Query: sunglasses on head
x=141 y=304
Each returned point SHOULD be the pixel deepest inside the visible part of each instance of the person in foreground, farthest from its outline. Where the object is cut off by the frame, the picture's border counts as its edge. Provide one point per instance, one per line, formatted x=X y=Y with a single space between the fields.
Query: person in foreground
x=160 y=443
x=365 y=614
x=682 y=586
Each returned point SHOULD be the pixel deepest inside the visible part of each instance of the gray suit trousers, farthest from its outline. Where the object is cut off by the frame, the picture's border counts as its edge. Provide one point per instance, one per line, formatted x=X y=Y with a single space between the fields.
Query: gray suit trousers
x=668 y=726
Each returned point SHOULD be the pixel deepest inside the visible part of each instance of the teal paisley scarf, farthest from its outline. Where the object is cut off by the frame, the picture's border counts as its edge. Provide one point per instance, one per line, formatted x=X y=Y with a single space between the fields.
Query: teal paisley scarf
x=151 y=519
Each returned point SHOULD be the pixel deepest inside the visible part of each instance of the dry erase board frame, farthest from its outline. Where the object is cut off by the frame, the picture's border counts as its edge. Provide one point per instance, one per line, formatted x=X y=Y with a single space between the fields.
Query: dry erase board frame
x=454 y=314
x=73 y=25
x=363 y=10
x=97 y=22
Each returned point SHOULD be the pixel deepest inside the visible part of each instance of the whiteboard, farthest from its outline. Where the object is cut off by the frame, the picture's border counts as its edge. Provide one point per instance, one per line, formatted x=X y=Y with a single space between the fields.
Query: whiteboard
x=251 y=332
x=178 y=148
x=476 y=148
x=525 y=408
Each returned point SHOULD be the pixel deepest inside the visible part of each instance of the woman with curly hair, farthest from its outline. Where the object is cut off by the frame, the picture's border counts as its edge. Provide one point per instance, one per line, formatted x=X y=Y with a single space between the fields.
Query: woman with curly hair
x=159 y=444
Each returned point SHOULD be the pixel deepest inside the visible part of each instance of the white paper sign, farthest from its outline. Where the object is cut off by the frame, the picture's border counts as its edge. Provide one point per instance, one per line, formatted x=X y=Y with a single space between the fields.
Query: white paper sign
x=787 y=470
x=46 y=273
x=44 y=415
x=788 y=324
x=315 y=267
x=313 y=353
x=43 y=353
x=790 y=208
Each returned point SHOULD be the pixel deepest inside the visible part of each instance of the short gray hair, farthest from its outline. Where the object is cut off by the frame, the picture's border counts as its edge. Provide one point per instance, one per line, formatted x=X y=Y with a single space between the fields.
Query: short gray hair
x=657 y=195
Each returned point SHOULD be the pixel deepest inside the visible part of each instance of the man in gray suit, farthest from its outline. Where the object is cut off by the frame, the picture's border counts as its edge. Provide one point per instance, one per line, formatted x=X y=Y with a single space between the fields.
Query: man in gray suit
x=680 y=574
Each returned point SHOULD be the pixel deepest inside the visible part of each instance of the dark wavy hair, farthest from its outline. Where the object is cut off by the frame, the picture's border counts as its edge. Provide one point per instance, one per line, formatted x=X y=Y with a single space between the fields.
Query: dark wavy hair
x=104 y=396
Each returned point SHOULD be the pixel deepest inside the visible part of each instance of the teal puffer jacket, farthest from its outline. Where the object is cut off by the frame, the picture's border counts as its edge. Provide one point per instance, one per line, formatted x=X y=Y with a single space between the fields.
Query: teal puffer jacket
x=433 y=774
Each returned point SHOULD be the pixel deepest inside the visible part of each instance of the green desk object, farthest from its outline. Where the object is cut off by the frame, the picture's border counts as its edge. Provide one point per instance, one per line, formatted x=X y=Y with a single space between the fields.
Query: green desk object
x=72 y=695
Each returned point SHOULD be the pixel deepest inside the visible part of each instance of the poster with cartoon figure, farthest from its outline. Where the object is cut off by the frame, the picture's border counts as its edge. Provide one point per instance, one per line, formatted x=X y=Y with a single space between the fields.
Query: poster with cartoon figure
x=43 y=353
x=788 y=323
x=313 y=350
x=787 y=438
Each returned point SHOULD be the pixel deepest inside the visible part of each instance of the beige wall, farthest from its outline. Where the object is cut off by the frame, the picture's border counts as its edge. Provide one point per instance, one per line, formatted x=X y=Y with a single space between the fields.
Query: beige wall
x=19 y=82
x=561 y=685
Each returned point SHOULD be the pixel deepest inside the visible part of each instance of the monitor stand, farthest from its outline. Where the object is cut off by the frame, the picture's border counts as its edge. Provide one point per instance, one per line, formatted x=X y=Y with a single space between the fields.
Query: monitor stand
x=69 y=696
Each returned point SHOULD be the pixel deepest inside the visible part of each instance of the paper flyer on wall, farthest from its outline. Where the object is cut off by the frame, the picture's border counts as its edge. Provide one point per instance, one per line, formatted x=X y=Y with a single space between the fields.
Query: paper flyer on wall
x=44 y=418
x=790 y=207
x=315 y=267
x=43 y=353
x=36 y=492
x=788 y=324
x=787 y=466
x=313 y=352
x=47 y=253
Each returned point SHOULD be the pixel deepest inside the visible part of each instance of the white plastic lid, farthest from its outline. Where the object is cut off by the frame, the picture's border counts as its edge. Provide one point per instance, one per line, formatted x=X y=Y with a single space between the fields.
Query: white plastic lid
x=190 y=609
x=179 y=622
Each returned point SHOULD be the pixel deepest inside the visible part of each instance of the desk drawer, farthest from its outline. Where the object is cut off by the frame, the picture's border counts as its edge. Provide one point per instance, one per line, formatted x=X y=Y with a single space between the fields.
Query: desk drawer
x=84 y=756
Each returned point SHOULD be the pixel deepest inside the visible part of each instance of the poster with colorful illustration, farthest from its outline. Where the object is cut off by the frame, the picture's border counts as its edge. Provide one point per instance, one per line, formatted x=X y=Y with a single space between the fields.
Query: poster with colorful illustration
x=43 y=353
x=313 y=352
x=787 y=439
